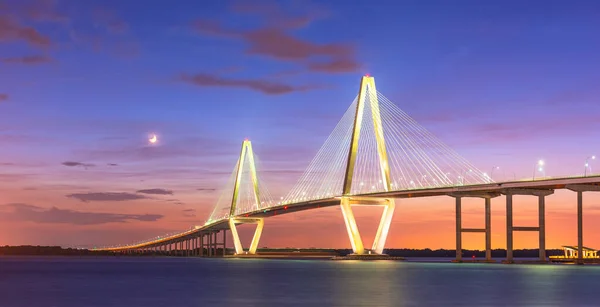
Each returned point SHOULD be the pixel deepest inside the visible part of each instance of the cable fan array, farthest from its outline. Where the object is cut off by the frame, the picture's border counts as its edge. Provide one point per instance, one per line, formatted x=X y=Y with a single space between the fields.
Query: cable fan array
x=416 y=158
x=246 y=200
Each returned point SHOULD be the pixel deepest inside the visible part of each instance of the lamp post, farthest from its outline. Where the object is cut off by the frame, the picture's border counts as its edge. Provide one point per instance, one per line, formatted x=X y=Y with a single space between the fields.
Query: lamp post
x=538 y=167
x=587 y=165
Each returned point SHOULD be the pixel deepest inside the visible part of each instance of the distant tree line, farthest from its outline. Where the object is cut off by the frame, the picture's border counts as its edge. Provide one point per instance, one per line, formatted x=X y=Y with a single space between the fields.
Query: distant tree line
x=438 y=253
x=28 y=250
x=496 y=253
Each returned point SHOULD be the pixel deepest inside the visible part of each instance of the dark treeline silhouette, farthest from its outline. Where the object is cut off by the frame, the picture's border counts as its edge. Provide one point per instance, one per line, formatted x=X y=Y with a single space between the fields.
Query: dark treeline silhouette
x=27 y=250
x=496 y=253
x=405 y=252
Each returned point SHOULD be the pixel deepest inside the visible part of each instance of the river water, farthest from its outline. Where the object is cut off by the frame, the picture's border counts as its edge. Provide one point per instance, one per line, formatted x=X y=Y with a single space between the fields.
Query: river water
x=148 y=282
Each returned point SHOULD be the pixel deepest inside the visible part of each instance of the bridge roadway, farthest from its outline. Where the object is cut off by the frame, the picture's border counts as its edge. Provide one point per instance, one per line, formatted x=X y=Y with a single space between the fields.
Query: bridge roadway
x=478 y=190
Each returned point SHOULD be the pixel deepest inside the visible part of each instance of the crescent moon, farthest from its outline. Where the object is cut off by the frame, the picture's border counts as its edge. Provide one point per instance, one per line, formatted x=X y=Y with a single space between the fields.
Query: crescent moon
x=153 y=139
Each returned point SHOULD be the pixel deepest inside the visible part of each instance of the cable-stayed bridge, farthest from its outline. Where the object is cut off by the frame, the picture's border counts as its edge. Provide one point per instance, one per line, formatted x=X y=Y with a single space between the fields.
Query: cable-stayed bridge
x=375 y=155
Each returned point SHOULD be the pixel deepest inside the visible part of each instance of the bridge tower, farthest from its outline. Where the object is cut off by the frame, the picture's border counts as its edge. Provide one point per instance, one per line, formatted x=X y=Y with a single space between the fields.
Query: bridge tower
x=367 y=94
x=246 y=152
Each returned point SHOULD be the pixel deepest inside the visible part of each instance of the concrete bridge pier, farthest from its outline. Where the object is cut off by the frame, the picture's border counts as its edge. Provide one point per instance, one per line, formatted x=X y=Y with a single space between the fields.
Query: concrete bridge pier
x=193 y=242
x=239 y=250
x=210 y=245
x=580 y=188
x=201 y=245
x=541 y=228
x=388 y=205
x=487 y=230
x=215 y=243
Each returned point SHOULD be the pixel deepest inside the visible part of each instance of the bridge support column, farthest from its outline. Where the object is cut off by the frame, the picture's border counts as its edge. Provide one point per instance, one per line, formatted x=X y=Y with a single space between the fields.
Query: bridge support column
x=541 y=228
x=509 y=228
x=224 y=242
x=214 y=243
x=388 y=205
x=217 y=243
x=580 y=188
x=210 y=250
x=580 y=227
x=260 y=223
x=458 y=230
x=487 y=230
x=201 y=245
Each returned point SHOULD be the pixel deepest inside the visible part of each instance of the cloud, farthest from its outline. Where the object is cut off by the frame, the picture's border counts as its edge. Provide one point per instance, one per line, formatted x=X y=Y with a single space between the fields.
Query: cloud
x=109 y=20
x=28 y=59
x=126 y=151
x=11 y=30
x=112 y=164
x=275 y=43
x=189 y=212
x=264 y=86
x=175 y=201
x=206 y=189
x=39 y=11
x=156 y=191
x=3 y=97
x=274 y=40
x=105 y=196
x=334 y=66
x=275 y=15
x=72 y=163
x=29 y=213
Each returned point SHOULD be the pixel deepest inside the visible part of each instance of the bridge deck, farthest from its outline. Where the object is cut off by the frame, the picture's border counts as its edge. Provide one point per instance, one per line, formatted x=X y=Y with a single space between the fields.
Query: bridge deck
x=286 y=208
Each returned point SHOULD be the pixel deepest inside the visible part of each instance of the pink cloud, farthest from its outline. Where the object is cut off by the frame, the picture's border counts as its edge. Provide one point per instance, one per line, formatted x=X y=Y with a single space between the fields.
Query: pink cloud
x=274 y=40
x=28 y=59
x=11 y=30
x=264 y=86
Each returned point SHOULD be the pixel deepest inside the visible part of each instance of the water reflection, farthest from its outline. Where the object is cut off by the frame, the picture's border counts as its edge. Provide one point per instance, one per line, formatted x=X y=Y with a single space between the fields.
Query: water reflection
x=249 y=282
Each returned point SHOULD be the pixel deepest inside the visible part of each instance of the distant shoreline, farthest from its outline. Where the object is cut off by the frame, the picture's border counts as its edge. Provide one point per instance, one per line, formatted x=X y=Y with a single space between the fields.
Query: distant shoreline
x=28 y=250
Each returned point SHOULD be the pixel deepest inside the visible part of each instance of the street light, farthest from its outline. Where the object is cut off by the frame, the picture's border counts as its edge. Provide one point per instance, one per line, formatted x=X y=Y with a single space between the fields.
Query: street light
x=587 y=165
x=539 y=167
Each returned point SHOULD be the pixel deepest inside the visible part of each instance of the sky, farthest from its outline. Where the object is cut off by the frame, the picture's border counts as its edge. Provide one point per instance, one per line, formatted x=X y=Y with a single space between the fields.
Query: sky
x=83 y=84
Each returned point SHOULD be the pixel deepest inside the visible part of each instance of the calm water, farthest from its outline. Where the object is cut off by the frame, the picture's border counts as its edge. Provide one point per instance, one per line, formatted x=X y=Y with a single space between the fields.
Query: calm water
x=183 y=282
